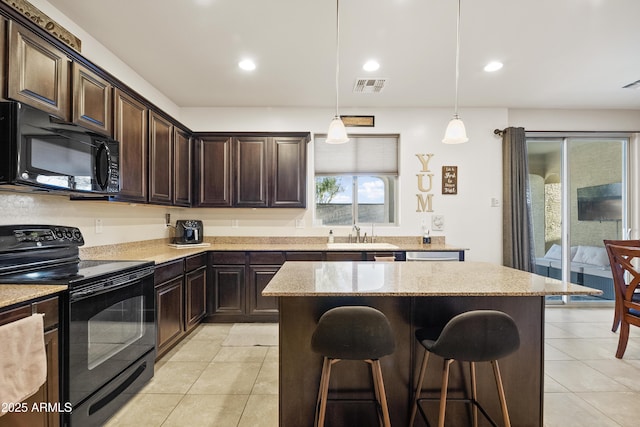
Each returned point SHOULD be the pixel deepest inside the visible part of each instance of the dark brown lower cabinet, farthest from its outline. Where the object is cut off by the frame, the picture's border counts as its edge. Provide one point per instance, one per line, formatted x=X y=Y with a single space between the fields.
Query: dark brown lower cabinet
x=170 y=314
x=236 y=283
x=180 y=299
x=259 y=277
x=49 y=392
x=226 y=299
x=196 y=297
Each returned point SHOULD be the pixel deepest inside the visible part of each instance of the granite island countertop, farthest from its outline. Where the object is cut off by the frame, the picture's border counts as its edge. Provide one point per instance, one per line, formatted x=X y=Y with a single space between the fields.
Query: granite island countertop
x=437 y=278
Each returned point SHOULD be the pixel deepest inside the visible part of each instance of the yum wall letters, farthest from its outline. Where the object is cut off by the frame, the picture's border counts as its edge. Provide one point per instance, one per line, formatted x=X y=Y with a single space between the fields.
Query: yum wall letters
x=425 y=184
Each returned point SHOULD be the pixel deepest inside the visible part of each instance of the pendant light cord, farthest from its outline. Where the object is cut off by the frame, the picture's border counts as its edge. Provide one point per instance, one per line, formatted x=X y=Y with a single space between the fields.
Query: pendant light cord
x=457 y=59
x=337 y=50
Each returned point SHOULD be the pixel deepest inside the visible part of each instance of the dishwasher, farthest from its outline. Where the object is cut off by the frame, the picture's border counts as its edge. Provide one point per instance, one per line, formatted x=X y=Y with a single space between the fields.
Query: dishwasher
x=436 y=256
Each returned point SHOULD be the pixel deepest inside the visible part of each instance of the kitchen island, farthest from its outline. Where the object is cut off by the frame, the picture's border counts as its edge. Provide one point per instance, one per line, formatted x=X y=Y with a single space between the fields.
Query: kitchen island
x=412 y=295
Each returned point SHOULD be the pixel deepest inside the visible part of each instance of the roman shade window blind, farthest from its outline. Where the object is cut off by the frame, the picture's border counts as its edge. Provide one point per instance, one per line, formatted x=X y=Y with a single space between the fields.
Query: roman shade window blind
x=362 y=155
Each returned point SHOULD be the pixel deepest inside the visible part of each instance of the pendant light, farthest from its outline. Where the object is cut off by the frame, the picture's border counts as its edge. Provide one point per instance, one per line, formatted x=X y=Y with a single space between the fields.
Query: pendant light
x=337 y=133
x=456 y=133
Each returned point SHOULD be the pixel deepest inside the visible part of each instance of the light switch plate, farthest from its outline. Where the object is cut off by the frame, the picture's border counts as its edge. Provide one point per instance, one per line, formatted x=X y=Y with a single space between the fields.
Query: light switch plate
x=98 y=225
x=437 y=222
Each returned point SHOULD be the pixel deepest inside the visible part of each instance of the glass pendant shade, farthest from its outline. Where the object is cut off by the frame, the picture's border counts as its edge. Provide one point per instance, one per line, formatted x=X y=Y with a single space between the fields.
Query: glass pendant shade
x=455 y=133
x=337 y=133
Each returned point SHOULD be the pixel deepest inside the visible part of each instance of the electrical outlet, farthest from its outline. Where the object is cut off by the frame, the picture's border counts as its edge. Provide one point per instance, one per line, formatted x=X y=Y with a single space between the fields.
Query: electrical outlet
x=495 y=202
x=98 y=225
x=235 y=223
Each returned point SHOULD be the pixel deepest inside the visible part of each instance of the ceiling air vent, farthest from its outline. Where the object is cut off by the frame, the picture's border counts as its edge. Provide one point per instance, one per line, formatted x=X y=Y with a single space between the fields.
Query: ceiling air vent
x=369 y=85
x=634 y=85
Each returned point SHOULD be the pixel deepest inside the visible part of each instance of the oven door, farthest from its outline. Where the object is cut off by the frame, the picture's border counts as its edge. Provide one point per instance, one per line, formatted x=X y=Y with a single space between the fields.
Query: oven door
x=111 y=325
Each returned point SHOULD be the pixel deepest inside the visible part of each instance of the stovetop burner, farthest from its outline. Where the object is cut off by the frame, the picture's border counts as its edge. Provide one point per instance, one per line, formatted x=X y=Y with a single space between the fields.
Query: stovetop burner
x=72 y=274
x=45 y=254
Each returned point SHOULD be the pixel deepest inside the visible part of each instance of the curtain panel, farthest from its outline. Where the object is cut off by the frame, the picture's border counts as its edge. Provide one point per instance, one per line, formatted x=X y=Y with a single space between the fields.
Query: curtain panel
x=517 y=232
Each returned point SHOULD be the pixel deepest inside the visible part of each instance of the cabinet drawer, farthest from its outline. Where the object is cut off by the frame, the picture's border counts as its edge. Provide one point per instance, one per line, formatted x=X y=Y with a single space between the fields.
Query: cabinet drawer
x=227 y=257
x=267 y=258
x=14 y=314
x=195 y=261
x=168 y=270
x=304 y=256
x=344 y=256
x=50 y=309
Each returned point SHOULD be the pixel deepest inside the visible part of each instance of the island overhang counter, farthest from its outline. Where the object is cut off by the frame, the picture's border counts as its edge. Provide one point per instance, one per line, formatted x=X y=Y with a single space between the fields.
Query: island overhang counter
x=411 y=295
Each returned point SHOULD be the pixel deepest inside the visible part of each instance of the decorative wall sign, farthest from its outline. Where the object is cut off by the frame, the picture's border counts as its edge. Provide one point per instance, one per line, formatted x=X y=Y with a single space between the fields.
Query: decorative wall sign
x=43 y=21
x=425 y=184
x=449 y=180
x=358 y=121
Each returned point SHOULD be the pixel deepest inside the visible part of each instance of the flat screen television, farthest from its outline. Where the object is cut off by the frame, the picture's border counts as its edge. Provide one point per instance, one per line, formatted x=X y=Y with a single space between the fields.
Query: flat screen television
x=600 y=202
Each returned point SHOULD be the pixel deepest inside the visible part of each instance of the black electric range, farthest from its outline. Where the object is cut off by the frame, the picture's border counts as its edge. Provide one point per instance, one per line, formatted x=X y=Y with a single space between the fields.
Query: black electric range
x=107 y=331
x=45 y=254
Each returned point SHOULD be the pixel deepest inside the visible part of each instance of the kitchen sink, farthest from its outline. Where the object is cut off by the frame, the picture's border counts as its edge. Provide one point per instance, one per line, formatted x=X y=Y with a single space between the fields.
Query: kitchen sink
x=362 y=246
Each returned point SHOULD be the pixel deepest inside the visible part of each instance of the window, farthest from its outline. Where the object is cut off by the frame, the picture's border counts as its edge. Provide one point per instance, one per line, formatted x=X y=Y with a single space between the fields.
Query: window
x=356 y=182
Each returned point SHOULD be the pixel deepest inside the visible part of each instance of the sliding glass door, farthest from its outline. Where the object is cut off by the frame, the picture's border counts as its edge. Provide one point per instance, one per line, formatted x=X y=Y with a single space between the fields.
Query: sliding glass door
x=579 y=198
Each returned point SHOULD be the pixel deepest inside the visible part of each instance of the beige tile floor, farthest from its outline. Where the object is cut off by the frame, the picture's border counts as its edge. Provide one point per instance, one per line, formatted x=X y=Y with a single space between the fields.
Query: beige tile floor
x=201 y=383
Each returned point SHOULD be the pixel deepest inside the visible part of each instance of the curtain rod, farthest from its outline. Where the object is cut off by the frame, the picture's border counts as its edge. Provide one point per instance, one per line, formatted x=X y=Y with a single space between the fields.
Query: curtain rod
x=574 y=133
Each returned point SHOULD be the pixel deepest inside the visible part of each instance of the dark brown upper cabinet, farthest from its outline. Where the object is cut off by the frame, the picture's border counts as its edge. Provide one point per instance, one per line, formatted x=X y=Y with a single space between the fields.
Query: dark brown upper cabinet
x=160 y=159
x=38 y=73
x=130 y=128
x=251 y=170
x=288 y=186
x=92 y=104
x=169 y=162
x=213 y=171
x=182 y=158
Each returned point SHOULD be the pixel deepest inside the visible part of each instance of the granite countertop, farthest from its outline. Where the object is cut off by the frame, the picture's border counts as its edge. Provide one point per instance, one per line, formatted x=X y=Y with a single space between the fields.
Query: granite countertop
x=159 y=250
x=437 y=278
x=14 y=294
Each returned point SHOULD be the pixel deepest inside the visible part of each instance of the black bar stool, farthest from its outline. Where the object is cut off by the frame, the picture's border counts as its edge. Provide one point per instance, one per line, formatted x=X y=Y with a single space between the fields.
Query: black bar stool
x=474 y=336
x=353 y=333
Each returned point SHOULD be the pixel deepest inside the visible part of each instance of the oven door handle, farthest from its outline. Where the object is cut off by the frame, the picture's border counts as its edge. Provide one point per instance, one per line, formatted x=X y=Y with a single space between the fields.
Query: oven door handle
x=104 y=286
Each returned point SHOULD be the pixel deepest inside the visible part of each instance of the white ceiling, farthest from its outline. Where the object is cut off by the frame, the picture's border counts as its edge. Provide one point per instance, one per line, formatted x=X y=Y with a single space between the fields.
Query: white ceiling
x=556 y=53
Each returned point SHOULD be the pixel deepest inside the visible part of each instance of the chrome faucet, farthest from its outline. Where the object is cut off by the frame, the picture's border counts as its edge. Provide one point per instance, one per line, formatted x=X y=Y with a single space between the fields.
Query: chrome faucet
x=357 y=229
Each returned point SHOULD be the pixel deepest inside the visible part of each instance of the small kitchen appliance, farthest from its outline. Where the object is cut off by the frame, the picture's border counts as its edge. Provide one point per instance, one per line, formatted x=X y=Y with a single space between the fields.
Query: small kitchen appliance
x=188 y=232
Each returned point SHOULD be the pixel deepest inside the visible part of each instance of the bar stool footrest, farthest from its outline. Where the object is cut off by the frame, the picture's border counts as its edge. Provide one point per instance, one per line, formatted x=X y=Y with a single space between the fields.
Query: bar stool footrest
x=457 y=400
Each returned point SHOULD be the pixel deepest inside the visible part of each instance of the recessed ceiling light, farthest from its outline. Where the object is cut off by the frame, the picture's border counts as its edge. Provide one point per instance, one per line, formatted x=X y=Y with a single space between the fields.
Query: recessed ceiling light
x=247 y=65
x=371 y=65
x=493 y=66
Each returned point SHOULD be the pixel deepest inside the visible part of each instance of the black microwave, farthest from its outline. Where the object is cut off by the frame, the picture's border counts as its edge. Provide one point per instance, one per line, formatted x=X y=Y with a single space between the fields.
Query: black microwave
x=41 y=151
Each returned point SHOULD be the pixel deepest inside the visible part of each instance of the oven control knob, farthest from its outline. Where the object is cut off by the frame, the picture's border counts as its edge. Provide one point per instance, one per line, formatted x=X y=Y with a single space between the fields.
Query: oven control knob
x=58 y=233
x=77 y=235
x=67 y=234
